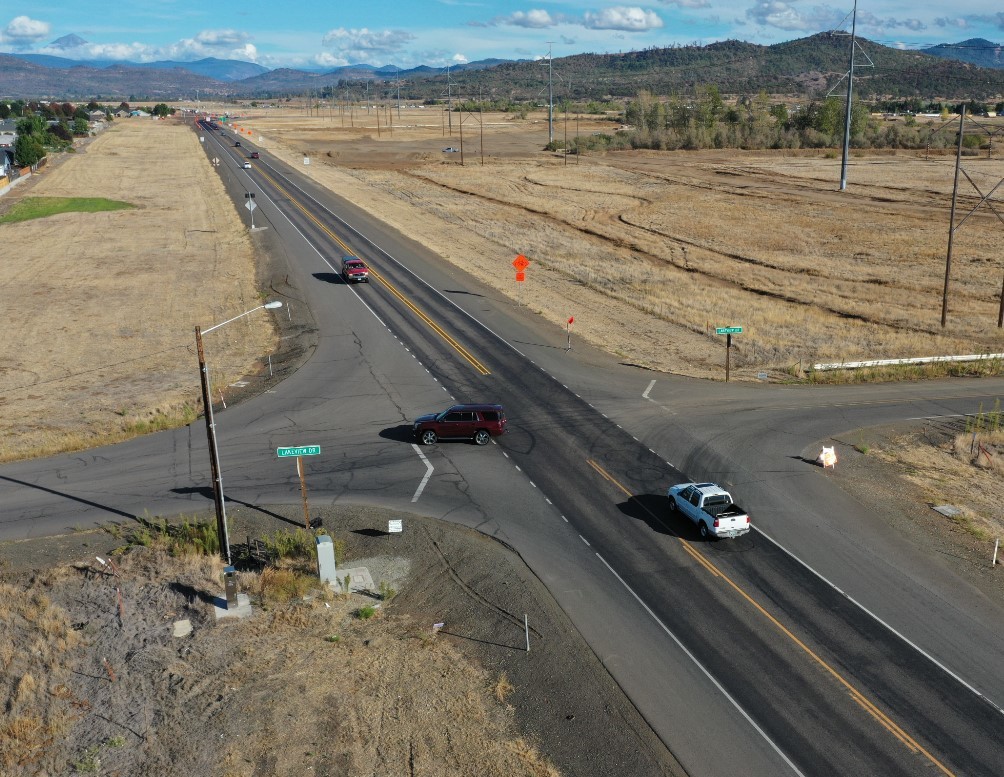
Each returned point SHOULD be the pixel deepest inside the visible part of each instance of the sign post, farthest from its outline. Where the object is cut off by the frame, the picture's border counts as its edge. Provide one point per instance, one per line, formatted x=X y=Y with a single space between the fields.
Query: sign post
x=299 y=453
x=520 y=263
x=568 y=333
x=728 y=331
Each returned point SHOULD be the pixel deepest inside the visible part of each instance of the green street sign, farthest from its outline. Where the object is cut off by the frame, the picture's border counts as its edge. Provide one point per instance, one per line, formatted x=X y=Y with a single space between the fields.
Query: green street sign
x=303 y=450
x=728 y=330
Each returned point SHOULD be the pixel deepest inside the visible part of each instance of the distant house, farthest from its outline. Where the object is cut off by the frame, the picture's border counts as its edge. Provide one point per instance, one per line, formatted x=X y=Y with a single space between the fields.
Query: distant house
x=96 y=116
x=122 y=113
x=141 y=114
x=7 y=162
x=7 y=139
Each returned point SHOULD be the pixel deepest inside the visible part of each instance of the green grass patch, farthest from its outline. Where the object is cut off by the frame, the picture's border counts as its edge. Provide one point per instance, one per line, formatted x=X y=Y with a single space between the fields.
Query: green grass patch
x=40 y=207
x=187 y=537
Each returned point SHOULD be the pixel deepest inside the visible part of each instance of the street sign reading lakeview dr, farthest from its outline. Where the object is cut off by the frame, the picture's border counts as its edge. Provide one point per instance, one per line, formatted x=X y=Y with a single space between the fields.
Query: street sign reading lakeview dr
x=303 y=450
x=729 y=330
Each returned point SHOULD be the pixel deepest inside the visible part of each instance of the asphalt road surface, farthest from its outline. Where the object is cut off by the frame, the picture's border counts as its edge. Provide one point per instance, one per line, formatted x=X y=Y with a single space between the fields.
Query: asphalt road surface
x=837 y=649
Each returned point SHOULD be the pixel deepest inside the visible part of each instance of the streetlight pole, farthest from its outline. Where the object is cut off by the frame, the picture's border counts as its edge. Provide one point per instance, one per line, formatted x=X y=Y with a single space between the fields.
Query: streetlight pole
x=214 y=452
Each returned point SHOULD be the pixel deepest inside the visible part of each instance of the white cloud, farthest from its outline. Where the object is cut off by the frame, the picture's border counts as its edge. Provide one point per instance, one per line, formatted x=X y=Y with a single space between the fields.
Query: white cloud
x=23 y=31
x=324 y=59
x=537 y=19
x=226 y=38
x=222 y=44
x=687 y=3
x=784 y=16
x=357 y=45
x=460 y=59
x=958 y=22
x=627 y=19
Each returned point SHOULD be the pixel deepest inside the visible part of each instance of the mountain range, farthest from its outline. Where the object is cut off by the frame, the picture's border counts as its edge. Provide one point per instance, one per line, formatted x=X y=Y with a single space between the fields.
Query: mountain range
x=809 y=66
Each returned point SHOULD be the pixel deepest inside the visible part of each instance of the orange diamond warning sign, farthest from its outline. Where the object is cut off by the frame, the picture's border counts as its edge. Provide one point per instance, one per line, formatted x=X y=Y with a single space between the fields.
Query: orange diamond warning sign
x=520 y=263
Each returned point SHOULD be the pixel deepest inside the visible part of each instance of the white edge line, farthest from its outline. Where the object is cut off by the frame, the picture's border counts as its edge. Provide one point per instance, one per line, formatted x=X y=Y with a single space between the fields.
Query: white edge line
x=645 y=393
x=870 y=614
x=700 y=666
x=428 y=473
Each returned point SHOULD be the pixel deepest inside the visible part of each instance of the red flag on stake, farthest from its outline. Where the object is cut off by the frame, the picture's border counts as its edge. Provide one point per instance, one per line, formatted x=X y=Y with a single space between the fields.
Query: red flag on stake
x=571 y=319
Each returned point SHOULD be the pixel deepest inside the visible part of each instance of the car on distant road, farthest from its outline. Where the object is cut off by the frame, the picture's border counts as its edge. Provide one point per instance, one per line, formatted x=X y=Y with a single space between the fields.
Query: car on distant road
x=450 y=150
x=247 y=165
x=354 y=270
x=237 y=144
x=478 y=423
x=255 y=155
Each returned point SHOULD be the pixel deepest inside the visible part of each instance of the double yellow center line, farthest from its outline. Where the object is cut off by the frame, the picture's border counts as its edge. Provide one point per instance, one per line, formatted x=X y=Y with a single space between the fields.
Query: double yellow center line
x=464 y=353
x=884 y=720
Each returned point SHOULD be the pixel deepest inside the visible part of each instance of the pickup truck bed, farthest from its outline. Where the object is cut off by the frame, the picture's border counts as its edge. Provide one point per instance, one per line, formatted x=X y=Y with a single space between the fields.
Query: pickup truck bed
x=711 y=508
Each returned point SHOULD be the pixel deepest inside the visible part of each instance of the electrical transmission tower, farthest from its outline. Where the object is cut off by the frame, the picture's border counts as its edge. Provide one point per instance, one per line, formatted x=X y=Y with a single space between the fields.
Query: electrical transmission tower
x=849 y=75
x=985 y=199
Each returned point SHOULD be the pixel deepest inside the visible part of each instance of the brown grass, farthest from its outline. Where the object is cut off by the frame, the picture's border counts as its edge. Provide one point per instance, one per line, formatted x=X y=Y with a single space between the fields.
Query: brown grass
x=103 y=305
x=34 y=666
x=650 y=251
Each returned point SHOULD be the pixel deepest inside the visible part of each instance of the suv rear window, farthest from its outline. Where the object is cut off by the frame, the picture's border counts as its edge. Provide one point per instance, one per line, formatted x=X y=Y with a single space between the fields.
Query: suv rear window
x=490 y=415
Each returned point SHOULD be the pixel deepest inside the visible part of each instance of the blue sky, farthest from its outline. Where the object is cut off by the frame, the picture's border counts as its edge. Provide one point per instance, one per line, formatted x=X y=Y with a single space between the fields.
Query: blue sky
x=306 y=33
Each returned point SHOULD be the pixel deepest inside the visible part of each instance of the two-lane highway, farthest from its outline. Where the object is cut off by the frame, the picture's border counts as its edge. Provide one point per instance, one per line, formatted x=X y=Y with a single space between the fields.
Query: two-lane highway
x=742 y=658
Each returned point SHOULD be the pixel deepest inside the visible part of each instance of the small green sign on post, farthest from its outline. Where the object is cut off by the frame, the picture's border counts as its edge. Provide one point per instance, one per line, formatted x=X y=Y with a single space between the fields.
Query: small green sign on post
x=729 y=331
x=303 y=450
x=298 y=451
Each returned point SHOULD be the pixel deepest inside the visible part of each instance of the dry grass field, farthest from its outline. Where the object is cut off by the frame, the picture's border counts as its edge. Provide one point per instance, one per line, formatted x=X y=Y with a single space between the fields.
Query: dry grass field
x=652 y=250
x=101 y=307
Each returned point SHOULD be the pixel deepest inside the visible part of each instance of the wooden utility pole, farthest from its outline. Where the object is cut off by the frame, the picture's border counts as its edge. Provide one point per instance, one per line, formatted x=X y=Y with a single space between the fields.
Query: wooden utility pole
x=951 y=222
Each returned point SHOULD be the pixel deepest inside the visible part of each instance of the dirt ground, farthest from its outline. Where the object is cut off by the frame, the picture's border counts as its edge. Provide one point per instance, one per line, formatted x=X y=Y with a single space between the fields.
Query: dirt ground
x=98 y=684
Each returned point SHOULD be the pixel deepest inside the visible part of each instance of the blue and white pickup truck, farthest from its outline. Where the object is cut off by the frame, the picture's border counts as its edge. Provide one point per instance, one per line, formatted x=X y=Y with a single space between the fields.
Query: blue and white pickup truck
x=711 y=508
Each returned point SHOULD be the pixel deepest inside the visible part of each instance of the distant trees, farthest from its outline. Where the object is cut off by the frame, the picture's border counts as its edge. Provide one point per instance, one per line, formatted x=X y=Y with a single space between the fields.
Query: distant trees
x=702 y=119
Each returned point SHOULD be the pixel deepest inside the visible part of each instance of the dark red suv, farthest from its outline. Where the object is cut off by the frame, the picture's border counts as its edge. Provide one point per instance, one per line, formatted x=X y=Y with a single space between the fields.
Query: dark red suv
x=461 y=422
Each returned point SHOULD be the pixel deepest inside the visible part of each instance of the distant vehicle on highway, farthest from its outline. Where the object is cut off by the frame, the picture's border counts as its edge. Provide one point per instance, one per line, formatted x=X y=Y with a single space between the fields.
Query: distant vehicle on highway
x=247 y=165
x=461 y=422
x=710 y=507
x=450 y=150
x=237 y=144
x=354 y=270
x=255 y=155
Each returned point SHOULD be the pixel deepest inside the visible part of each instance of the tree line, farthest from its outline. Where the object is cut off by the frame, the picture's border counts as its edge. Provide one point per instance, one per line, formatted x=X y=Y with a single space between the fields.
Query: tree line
x=704 y=120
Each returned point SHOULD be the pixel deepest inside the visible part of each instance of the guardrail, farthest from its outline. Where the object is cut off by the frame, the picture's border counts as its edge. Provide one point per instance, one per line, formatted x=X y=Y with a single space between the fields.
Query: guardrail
x=976 y=357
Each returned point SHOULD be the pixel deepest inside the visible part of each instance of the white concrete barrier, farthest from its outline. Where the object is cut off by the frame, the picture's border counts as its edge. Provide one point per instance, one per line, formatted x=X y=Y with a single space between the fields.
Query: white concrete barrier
x=976 y=357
